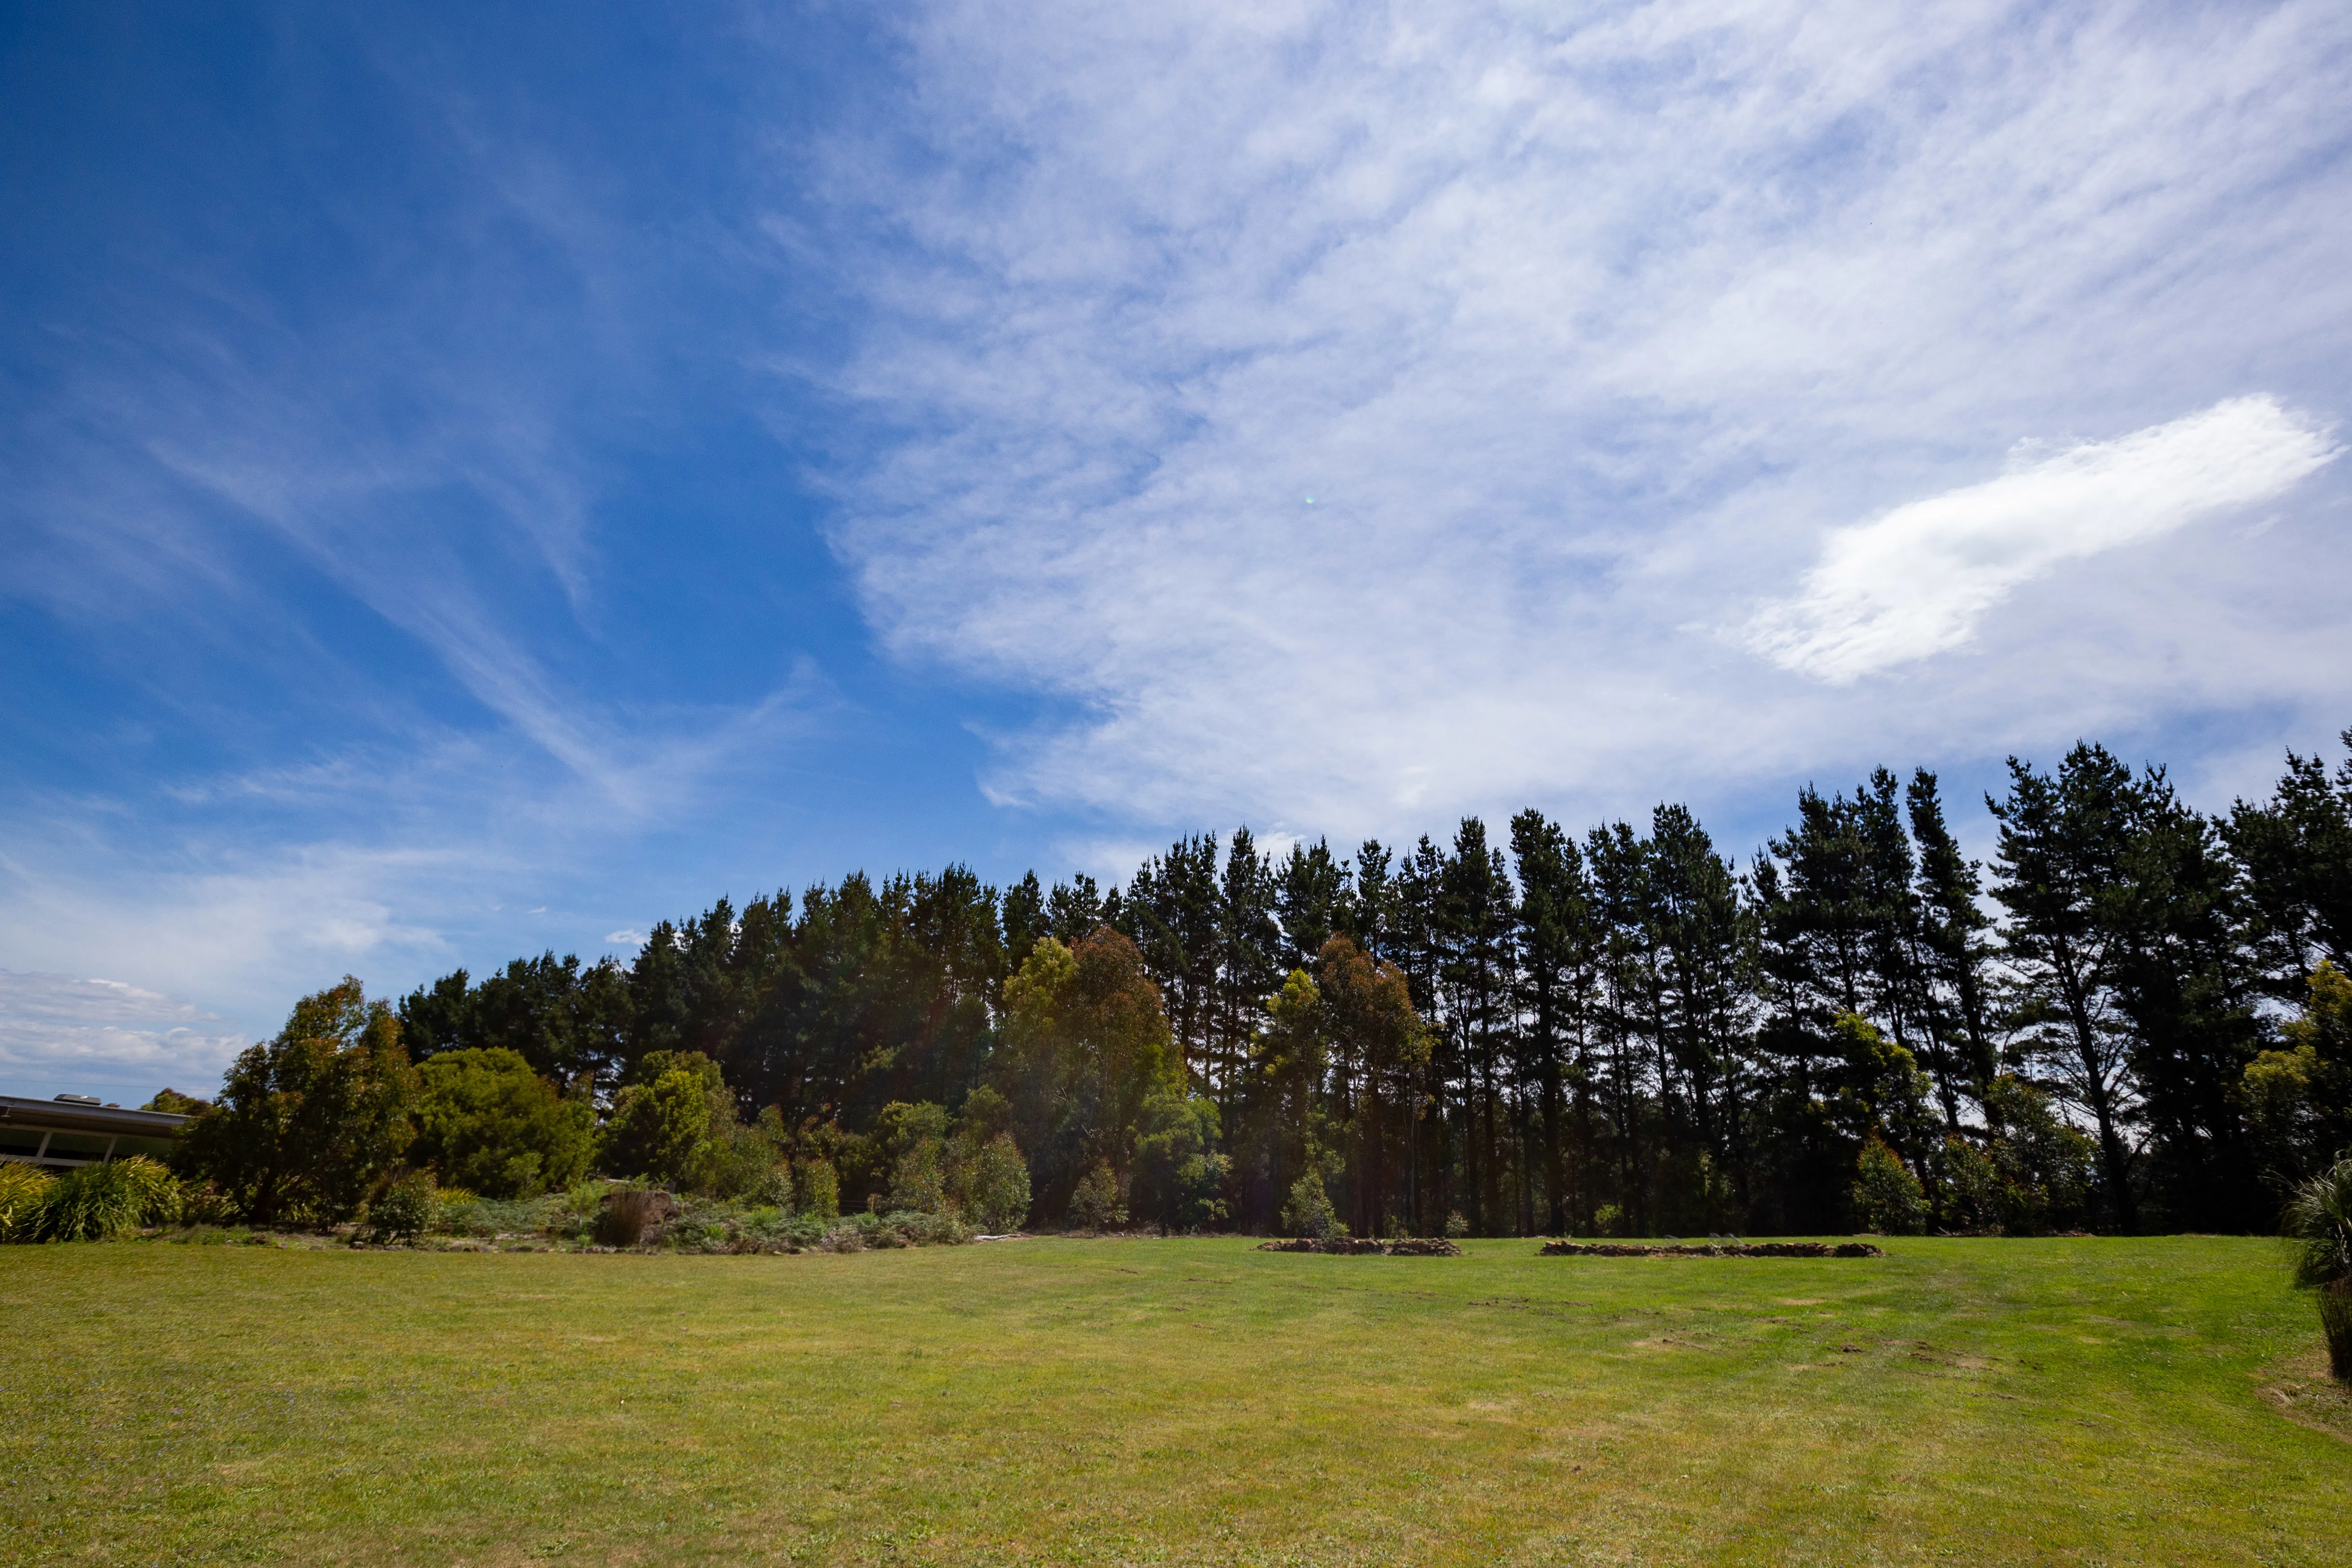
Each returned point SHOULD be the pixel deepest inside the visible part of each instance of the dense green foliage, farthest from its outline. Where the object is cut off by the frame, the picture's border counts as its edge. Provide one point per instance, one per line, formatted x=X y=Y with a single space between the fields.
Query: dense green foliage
x=405 y=1209
x=1626 y=1032
x=2319 y=1218
x=306 y=1123
x=23 y=1193
x=90 y=1202
x=487 y=1121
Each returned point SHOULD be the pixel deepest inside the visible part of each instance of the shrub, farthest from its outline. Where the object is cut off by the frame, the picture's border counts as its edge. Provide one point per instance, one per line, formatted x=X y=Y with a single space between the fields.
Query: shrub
x=629 y=1213
x=1095 y=1205
x=1179 y=1177
x=2048 y=1169
x=658 y=1128
x=406 y=1209
x=1310 y=1210
x=23 y=1193
x=2320 y=1221
x=1609 y=1219
x=676 y=1124
x=1887 y=1198
x=1456 y=1228
x=816 y=1189
x=995 y=1182
x=900 y=1227
x=494 y=1216
x=735 y=1161
x=99 y=1202
x=912 y=1141
x=485 y=1120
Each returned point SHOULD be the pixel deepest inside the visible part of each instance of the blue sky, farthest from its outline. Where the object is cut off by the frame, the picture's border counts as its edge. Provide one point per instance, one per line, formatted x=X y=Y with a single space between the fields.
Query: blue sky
x=485 y=479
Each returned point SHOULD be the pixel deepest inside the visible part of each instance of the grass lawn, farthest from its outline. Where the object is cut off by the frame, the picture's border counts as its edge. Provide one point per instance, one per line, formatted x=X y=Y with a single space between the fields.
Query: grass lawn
x=2076 y=1400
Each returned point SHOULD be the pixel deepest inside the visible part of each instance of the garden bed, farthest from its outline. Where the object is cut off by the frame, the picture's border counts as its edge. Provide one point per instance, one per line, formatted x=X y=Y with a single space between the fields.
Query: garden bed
x=1365 y=1247
x=1711 y=1249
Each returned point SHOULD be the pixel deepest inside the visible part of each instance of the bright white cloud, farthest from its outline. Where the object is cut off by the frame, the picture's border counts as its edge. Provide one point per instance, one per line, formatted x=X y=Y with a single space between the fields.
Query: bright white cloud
x=1575 y=324
x=1918 y=580
x=60 y=1034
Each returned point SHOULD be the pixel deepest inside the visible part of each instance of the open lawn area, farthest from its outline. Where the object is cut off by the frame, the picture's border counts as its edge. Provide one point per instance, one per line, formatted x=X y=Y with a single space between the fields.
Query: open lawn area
x=1194 y=1401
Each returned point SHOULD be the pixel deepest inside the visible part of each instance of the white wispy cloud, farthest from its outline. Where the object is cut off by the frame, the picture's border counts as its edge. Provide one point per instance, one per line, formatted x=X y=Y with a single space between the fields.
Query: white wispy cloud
x=1919 y=579
x=64 y=1034
x=1575 y=324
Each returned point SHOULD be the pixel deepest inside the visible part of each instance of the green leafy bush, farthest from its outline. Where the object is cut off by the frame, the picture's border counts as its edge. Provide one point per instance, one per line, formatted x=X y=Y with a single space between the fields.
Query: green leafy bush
x=485 y=1120
x=1096 y=1205
x=1456 y=1228
x=1179 y=1177
x=677 y=1125
x=99 y=1202
x=903 y=1228
x=995 y=1182
x=816 y=1189
x=1887 y=1198
x=1309 y=1211
x=23 y=1193
x=406 y=1209
x=483 y=1216
x=913 y=1140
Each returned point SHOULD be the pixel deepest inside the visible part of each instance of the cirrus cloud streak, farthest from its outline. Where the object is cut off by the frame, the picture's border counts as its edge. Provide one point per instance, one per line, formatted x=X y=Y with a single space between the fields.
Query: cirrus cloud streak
x=1919 y=579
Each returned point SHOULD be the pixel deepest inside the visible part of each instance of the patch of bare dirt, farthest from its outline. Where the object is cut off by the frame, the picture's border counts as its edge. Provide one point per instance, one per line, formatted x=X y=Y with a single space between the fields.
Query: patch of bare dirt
x=2302 y=1391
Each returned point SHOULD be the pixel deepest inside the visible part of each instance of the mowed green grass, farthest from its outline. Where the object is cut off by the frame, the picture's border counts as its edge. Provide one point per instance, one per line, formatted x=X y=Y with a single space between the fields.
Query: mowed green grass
x=1194 y=1401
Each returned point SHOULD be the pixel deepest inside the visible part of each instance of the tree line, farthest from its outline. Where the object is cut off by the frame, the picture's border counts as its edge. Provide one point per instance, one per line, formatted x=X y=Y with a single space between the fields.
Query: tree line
x=2134 y=1017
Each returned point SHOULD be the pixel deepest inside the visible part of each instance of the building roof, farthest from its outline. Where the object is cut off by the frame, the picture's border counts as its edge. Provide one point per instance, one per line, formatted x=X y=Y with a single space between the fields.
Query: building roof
x=79 y=1114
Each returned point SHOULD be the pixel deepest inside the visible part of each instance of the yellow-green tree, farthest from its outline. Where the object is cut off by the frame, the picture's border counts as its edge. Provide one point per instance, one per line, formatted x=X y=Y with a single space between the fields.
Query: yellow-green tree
x=488 y=1123
x=307 y=1122
x=1083 y=1050
x=2298 y=1101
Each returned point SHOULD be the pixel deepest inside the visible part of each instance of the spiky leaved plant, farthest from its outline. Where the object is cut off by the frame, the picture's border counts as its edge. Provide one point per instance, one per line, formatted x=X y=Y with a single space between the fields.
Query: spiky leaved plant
x=24 y=1194
x=2319 y=1222
x=97 y=1203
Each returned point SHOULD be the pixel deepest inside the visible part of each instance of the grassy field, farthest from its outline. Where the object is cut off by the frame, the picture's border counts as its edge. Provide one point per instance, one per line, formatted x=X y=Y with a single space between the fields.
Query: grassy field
x=2076 y=1400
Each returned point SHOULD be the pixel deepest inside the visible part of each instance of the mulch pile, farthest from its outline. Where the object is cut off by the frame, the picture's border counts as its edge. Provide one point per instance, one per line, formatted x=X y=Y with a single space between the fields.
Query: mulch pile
x=1364 y=1246
x=1712 y=1250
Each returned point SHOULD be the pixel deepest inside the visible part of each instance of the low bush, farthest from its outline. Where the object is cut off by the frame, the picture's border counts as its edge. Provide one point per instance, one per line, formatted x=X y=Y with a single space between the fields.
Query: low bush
x=405 y=1210
x=23 y=1193
x=629 y=1213
x=493 y=1216
x=994 y=1179
x=2319 y=1222
x=1887 y=1198
x=1309 y=1211
x=908 y=1227
x=1096 y=1205
x=99 y=1202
